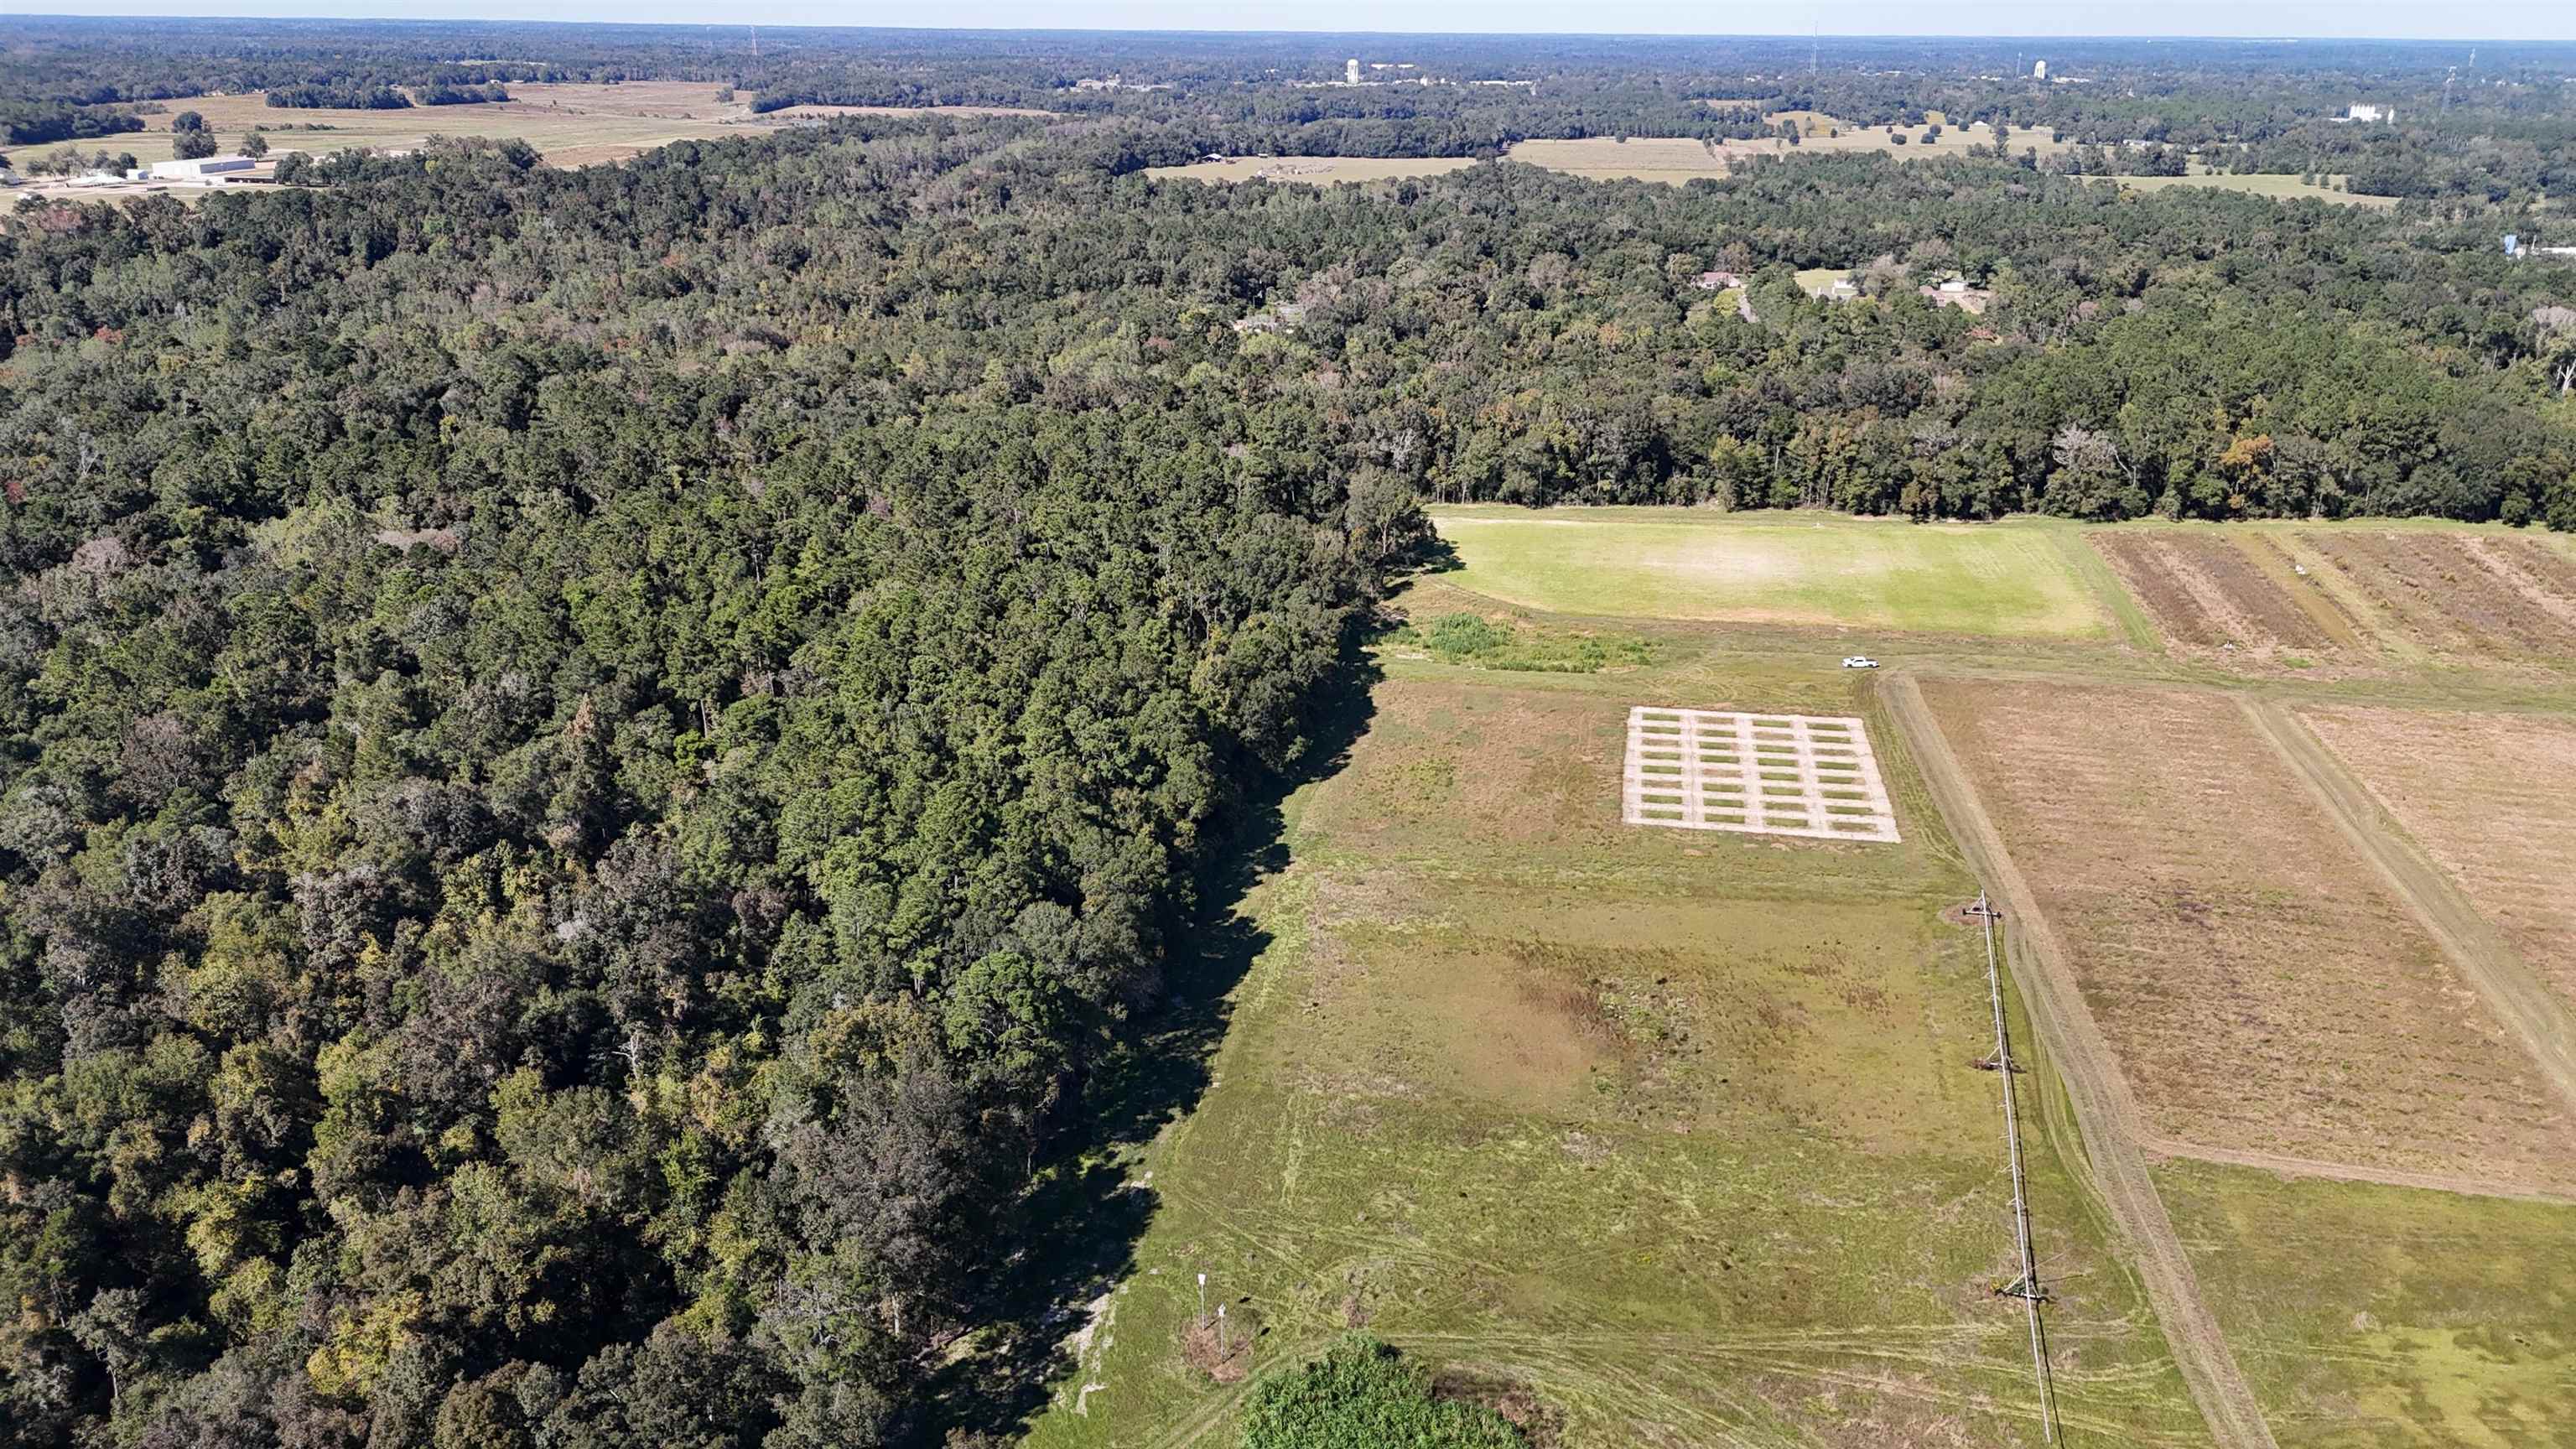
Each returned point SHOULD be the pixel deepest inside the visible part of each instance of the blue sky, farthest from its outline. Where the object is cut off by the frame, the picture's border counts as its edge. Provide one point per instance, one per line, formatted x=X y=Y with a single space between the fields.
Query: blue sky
x=2495 y=20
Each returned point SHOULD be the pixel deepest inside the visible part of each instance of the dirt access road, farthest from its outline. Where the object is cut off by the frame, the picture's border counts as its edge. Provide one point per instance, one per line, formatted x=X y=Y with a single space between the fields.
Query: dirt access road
x=2106 y=1115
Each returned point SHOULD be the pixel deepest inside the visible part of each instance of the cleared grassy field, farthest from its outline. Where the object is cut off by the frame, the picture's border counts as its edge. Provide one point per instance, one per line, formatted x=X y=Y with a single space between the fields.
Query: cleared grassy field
x=1640 y=158
x=2486 y=796
x=1681 y=158
x=2387 y=1317
x=2280 y=188
x=1679 y=1133
x=571 y=124
x=1312 y=170
x=2263 y=989
x=1773 y=568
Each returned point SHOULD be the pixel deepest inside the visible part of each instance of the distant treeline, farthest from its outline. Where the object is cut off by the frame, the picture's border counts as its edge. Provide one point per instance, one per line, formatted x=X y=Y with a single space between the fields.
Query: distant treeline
x=339 y=98
x=34 y=123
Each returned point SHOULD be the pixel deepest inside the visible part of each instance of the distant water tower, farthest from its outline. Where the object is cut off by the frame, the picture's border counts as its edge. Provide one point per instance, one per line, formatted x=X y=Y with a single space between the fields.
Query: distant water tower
x=1351 y=70
x=2039 y=71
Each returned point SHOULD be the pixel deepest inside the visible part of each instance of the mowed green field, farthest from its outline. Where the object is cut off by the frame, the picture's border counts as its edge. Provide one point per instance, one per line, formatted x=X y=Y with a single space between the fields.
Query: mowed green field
x=1677 y=1130
x=1779 y=568
x=2387 y=1317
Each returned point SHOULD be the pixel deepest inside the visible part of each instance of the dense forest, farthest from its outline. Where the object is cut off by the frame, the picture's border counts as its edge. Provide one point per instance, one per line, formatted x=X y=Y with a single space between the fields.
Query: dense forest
x=605 y=775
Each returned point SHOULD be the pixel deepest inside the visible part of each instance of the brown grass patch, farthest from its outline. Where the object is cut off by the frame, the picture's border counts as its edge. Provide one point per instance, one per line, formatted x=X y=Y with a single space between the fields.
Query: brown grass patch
x=2488 y=797
x=2263 y=989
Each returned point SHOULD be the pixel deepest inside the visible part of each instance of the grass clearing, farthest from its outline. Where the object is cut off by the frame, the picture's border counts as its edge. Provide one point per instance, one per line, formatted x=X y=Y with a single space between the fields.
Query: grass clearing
x=2387 y=1317
x=1312 y=170
x=1677 y=1131
x=570 y=124
x=1678 y=159
x=1673 y=159
x=1778 y=568
x=2279 y=188
x=2263 y=990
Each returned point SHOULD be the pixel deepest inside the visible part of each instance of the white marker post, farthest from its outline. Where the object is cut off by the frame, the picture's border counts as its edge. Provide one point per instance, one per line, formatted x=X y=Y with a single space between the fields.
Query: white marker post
x=1222 y=1347
x=1202 y=1297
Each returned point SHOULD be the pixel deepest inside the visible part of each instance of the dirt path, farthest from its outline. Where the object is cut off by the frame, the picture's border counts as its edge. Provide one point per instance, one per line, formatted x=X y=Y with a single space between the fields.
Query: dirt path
x=2527 y=1007
x=2344 y=1172
x=2105 y=1113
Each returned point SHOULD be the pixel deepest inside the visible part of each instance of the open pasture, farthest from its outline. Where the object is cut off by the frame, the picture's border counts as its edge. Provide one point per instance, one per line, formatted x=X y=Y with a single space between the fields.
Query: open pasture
x=1878 y=574
x=2448 y=592
x=1683 y=158
x=2375 y=1317
x=2206 y=590
x=2487 y=797
x=1678 y=1131
x=570 y=124
x=2263 y=990
x=1638 y=158
x=2279 y=188
x=1312 y=170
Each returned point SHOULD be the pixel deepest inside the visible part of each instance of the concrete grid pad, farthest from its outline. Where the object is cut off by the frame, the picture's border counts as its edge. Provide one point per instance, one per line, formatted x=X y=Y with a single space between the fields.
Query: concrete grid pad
x=1760 y=774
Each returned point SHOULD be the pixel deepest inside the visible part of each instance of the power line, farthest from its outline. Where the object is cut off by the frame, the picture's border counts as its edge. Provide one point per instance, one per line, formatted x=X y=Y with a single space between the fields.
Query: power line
x=2026 y=1287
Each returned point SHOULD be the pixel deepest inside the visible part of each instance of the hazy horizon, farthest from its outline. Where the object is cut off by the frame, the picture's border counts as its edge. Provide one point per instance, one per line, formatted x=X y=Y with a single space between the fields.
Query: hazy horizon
x=2513 y=21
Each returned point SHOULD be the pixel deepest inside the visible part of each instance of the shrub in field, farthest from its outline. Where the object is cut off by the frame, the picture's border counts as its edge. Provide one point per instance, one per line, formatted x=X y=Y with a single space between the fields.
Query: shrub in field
x=1473 y=640
x=1362 y=1395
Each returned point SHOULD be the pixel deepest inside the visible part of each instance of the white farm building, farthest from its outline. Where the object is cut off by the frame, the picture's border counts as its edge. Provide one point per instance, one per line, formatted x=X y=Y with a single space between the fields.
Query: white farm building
x=204 y=168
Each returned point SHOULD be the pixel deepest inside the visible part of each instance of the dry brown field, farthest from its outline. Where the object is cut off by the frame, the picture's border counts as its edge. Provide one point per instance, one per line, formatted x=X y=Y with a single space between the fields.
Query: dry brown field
x=570 y=124
x=2456 y=593
x=1681 y=158
x=2205 y=591
x=2263 y=990
x=2487 y=796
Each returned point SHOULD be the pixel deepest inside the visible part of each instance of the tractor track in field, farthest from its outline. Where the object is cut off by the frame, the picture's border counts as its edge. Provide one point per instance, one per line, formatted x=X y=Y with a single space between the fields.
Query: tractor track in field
x=2288 y=1166
x=2106 y=1115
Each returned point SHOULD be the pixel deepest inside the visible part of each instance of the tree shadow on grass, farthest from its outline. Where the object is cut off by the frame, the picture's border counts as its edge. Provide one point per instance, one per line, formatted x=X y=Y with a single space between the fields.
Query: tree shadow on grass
x=1086 y=1216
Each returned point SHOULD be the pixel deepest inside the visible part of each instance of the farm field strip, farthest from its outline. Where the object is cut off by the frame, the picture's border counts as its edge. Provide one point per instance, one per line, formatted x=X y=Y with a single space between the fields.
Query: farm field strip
x=2485 y=797
x=2204 y=591
x=2261 y=988
x=2458 y=593
x=1759 y=774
